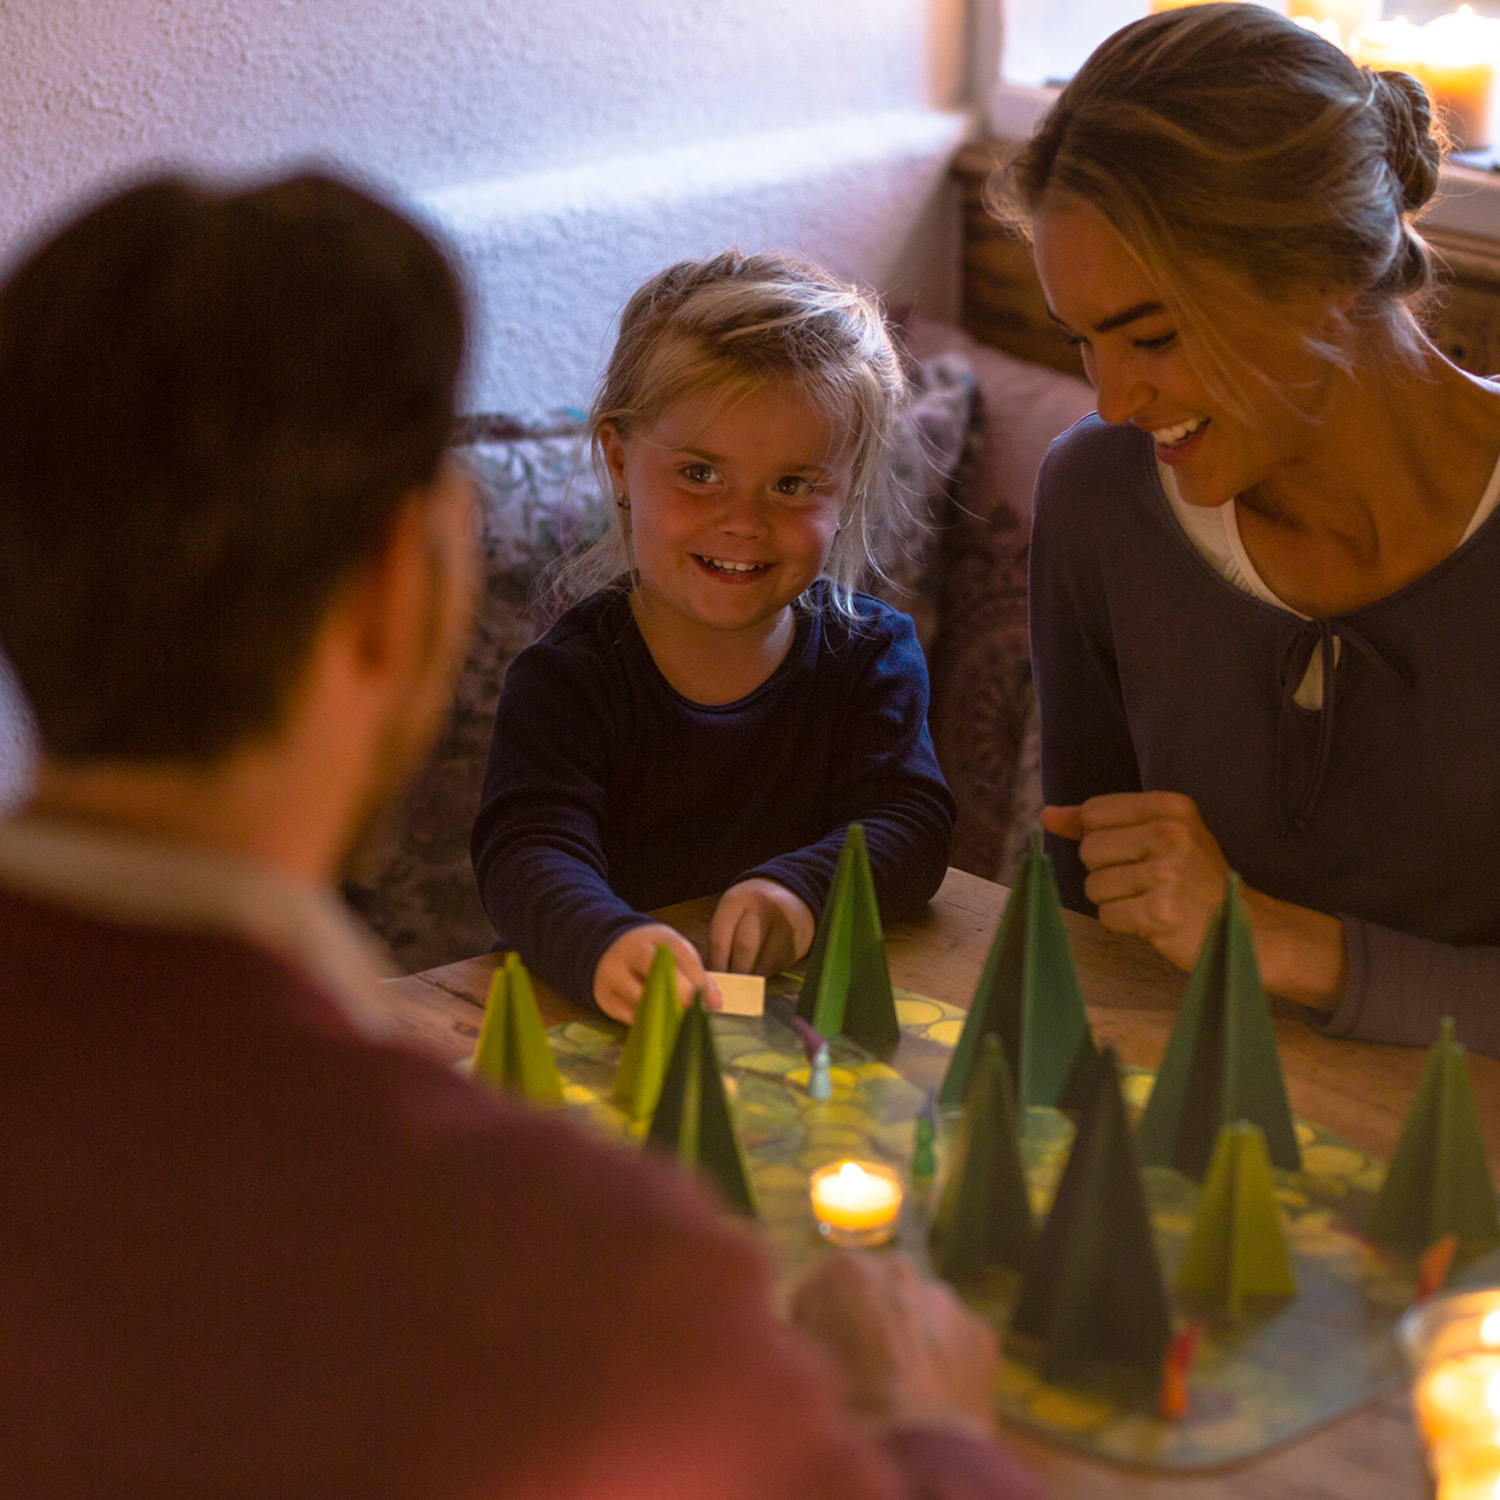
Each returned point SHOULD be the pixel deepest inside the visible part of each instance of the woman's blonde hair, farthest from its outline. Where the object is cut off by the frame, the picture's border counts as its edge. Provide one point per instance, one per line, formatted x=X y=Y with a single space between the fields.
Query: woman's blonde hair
x=1226 y=134
x=731 y=323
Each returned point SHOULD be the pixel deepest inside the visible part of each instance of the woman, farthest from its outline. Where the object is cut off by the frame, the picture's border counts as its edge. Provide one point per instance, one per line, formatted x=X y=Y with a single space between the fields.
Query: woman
x=1265 y=579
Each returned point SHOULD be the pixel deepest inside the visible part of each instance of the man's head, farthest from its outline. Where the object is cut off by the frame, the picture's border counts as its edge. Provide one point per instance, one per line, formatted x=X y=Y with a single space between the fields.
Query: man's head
x=212 y=406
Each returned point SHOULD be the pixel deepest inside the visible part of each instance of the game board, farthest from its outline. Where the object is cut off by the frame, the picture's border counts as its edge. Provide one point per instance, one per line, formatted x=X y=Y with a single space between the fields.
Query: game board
x=1276 y=1373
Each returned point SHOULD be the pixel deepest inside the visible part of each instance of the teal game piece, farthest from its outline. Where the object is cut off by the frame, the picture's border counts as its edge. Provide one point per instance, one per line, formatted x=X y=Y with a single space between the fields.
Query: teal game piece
x=1438 y=1182
x=847 y=987
x=1094 y=1286
x=1237 y=1249
x=819 y=1075
x=1221 y=1063
x=692 y=1120
x=983 y=1219
x=923 y=1160
x=648 y=1045
x=512 y=1050
x=1028 y=996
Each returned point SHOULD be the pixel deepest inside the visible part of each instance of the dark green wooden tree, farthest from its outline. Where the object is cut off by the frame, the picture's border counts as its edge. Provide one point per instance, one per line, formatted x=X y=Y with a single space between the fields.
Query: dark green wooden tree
x=1094 y=1287
x=847 y=985
x=983 y=1219
x=1221 y=1063
x=692 y=1120
x=1439 y=1179
x=1028 y=996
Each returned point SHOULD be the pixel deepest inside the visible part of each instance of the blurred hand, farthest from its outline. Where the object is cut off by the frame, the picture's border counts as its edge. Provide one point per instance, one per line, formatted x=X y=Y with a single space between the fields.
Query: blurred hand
x=621 y=972
x=759 y=927
x=1154 y=868
x=908 y=1349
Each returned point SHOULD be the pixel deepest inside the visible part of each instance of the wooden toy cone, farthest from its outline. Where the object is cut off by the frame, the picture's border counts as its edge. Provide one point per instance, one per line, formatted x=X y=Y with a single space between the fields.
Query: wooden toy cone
x=1221 y=1063
x=692 y=1119
x=846 y=987
x=983 y=1219
x=649 y=1042
x=1439 y=1179
x=512 y=1050
x=1028 y=996
x=1237 y=1248
x=1094 y=1288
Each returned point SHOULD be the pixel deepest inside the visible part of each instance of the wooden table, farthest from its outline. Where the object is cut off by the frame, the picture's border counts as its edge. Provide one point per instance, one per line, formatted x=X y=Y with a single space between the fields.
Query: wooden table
x=1358 y=1090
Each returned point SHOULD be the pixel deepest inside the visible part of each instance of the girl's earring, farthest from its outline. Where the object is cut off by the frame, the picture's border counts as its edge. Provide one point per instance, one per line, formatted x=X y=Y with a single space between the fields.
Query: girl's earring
x=622 y=501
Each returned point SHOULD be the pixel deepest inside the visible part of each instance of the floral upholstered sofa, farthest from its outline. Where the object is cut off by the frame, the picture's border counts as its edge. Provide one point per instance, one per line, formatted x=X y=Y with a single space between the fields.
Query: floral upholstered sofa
x=967 y=454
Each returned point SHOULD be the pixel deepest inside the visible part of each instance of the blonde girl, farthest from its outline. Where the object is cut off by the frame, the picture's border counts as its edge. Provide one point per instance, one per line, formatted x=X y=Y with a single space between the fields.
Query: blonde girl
x=723 y=702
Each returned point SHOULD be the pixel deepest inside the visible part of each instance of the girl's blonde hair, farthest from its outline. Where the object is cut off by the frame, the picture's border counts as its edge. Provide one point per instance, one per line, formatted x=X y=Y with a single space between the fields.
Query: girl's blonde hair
x=1228 y=135
x=731 y=323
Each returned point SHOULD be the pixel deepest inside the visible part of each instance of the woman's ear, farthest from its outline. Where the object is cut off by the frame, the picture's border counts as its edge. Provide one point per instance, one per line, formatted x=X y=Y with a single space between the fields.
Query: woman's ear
x=612 y=445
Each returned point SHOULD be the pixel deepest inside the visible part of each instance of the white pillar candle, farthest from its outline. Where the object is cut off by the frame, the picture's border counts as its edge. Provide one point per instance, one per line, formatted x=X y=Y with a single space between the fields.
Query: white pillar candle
x=1458 y=66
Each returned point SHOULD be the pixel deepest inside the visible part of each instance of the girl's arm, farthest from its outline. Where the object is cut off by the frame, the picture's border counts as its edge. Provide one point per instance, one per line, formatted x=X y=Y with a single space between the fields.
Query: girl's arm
x=884 y=775
x=536 y=847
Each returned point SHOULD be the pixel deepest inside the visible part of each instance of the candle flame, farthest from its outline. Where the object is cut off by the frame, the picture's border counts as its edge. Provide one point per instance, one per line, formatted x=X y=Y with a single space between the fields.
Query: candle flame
x=851 y=1172
x=1489 y=1330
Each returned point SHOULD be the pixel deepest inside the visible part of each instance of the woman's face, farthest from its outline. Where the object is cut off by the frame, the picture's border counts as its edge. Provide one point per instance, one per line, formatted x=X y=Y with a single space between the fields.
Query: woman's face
x=1142 y=369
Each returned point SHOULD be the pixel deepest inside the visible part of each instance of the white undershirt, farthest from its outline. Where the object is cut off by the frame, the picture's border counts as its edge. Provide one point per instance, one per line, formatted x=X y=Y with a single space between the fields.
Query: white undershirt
x=1215 y=531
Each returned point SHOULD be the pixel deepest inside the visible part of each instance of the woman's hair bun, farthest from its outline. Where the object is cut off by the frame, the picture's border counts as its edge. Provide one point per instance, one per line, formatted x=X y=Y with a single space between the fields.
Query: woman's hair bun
x=1414 y=148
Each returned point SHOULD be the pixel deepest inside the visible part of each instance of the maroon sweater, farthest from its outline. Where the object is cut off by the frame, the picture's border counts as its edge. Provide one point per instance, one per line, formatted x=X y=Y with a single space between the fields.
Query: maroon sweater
x=246 y=1252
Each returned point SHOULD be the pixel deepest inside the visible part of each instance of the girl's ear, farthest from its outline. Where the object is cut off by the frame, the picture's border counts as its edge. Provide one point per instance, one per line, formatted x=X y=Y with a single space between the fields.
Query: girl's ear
x=612 y=445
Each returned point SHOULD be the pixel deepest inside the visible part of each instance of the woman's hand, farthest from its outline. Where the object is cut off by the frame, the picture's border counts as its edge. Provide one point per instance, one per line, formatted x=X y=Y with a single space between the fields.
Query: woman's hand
x=1157 y=872
x=759 y=927
x=621 y=972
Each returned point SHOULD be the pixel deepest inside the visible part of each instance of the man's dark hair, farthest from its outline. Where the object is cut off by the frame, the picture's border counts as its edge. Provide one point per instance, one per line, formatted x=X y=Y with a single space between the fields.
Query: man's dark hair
x=212 y=404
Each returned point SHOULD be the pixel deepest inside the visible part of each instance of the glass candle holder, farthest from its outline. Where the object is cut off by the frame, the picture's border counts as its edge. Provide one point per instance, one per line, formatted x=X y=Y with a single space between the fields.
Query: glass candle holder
x=1454 y=1343
x=855 y=1202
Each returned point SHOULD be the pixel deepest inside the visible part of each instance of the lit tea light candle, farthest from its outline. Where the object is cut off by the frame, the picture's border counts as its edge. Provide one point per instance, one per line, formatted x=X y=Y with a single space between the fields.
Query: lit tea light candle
x=1455 y=1342
x=856 y=1203
x=1346 y=16
x=1458 y=67
x=1396 y=45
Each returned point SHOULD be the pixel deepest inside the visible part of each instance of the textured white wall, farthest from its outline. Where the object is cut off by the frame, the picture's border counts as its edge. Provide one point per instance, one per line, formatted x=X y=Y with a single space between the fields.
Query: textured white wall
x=567 y=147
x=818 y=125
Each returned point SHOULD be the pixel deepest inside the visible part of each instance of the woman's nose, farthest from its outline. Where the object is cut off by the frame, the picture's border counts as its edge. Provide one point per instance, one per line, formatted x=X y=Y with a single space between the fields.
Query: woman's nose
x=1119 y=391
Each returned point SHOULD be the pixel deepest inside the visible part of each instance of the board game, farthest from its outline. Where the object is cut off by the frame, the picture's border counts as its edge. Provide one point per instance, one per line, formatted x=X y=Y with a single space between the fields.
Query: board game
x=1260 y=1381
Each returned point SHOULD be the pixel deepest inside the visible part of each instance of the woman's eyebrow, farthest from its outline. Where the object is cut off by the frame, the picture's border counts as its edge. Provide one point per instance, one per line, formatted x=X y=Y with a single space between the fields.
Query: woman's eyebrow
x=1119 y=319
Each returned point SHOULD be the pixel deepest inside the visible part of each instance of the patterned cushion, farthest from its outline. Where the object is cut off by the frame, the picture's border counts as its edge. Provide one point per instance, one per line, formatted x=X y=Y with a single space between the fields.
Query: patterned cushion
x=983 y=709
x=413 y=883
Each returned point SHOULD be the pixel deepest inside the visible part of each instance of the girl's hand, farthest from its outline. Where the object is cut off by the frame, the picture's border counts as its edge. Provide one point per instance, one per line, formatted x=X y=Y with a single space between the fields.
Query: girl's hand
x=1157 y=872
x=621 y=973
x=758 y=927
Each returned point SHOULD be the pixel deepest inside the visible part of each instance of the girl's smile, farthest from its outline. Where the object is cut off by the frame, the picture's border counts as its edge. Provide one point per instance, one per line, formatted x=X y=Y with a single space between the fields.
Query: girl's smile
x=733 y=508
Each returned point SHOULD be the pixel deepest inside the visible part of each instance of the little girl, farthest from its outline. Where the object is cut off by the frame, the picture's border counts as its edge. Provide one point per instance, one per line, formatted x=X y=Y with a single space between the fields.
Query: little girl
x=723 y=704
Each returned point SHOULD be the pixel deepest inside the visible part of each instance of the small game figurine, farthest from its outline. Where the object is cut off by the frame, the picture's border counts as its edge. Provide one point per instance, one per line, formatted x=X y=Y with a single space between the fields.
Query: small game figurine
x=984 y=1218
x=1438 y=1182
x=923 y=1162
x=512 y=1050
x=846 y=986
x=692 y=1119
x=1221 y=1063
x=649 y=1042
x=1028 y=996
x=819 y=1083
x=1094 y=1287
x=1237 y=1248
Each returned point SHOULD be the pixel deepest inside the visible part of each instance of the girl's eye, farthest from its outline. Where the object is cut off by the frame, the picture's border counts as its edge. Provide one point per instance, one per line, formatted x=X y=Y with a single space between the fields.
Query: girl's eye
x=1156 y=345
x=699 y=473
x=795 y=486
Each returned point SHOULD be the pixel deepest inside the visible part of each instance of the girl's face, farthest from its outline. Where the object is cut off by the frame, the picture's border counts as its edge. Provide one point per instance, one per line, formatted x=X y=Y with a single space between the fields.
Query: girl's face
x=1141 y=370
x=732 y=511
